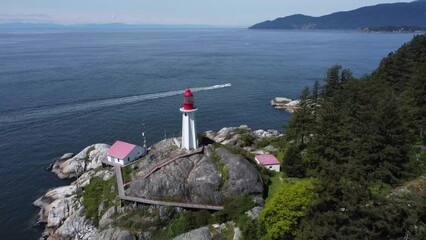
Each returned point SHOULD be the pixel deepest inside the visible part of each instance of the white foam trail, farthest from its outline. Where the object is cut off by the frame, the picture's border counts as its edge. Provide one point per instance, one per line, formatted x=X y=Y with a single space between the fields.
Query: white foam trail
x=21 y=115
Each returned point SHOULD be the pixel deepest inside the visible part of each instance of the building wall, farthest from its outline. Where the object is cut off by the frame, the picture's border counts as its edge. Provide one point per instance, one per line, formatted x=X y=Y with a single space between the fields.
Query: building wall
x=275 y=168
x=136 y=153
x=189 y=131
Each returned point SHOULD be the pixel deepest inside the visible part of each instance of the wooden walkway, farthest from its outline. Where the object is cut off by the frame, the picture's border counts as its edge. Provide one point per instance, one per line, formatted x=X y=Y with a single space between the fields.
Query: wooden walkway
x=123 y=196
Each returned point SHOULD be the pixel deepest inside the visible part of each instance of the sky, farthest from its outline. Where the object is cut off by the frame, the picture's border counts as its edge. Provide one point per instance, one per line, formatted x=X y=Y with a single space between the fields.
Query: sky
x=213 y=12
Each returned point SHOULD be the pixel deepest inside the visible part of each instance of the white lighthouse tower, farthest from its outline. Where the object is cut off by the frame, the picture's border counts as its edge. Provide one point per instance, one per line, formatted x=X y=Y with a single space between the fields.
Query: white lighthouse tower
x=189 y=132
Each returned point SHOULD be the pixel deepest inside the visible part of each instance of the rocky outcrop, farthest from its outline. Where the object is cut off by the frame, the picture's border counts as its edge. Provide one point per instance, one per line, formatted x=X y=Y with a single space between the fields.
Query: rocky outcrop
x=244 y=137
x=63 y=216
x=77 y=227
x=199 y=178
x=285 y=103
x=60 y=208
x=89 y=158
x=242 y=177
x=116 y=234
x=202 y=233
x=215 y=231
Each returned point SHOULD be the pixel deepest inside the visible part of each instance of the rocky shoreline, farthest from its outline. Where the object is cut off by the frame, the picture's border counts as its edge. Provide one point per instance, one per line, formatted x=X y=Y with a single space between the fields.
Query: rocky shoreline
x=285 y=103
x=62 y=211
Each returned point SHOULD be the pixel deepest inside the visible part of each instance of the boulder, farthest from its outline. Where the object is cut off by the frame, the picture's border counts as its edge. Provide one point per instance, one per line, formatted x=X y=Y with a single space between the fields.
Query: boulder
x=202 y=233
x=243 y=176
x=106 y=218
x=198 y=179
x=54 y=194
x=285 y=103
x=77 y=227
x=89 y=158
x=254 y=213
x=60 y=210
x=115 y=234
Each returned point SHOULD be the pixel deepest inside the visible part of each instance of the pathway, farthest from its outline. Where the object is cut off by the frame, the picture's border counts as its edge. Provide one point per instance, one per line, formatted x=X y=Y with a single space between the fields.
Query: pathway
x=123 y=196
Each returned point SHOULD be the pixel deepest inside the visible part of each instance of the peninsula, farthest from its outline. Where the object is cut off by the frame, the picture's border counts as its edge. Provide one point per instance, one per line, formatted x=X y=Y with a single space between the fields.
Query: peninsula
x=383 y=16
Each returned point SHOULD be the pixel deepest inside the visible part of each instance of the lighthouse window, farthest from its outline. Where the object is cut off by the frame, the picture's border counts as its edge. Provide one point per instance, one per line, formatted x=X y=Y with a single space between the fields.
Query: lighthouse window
x=186 y=114
x=188 y=99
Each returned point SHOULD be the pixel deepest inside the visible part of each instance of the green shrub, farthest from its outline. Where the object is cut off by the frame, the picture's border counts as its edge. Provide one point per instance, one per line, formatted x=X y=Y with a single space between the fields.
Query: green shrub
x=281 y=215
x=234 y=207
x=248 y=227
x=184 y=222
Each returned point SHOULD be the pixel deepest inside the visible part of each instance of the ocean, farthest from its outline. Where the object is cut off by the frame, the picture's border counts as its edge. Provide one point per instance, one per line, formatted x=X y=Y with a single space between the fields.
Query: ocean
x=62 y=90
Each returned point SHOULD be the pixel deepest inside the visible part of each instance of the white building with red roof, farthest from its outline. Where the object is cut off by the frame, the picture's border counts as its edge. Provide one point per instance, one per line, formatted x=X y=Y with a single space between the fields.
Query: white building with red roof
x=268 y=161
x=124 y=153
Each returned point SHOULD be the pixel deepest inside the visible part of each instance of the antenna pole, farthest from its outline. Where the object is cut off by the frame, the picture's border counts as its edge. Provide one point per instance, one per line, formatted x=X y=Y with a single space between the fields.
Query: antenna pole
x=143 y=135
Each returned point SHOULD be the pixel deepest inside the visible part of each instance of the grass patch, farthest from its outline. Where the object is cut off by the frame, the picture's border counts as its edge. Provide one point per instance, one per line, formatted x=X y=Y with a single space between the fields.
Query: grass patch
x=133 y=220
x=274 y=186
x=225 y=177
x=96 y=193
x=215 y=158
x=127 y=173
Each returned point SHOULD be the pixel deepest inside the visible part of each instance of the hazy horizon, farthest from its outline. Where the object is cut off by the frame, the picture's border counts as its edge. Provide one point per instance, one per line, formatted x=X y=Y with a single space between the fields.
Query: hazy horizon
x=220 y=13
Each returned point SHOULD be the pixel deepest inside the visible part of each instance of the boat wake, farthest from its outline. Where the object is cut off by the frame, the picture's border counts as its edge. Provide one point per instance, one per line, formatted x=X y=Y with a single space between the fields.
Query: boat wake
x=23 y=115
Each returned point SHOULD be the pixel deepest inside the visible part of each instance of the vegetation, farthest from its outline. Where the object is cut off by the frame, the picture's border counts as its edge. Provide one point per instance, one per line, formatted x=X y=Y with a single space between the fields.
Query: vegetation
x=234 y=209
x=98 y=193
x=357 y=138
x=127 y=173
x=282 y=214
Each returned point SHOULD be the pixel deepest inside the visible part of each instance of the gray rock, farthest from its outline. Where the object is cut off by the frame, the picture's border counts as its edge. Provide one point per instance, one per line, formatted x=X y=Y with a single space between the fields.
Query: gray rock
x=197 y=234
x=54 y=194
x=254 y=213
x=77 y=227
x=285 y=103
x=106 y=220
x=60 y=210
x=243 y=176
x=66 y=156
x=197 y=179
x=237 y=234
x=89 y=158
x=115 y=234
x=204 y=183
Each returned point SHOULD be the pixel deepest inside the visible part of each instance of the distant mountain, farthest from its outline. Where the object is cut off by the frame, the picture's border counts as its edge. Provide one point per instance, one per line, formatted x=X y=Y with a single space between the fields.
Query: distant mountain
x=20 y=25
x=382 y=15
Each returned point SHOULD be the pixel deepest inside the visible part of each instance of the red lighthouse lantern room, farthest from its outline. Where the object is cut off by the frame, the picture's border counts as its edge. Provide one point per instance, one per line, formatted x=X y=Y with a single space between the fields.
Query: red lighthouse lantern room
x=188 y=100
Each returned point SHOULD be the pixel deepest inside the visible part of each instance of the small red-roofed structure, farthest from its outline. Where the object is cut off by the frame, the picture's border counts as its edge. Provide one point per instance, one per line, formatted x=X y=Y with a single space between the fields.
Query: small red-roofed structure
x=123 y=153
x=268 y=161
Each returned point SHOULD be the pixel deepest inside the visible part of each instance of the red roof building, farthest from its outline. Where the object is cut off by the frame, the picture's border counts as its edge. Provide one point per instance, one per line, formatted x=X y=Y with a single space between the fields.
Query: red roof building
x=268 y=161
x=123 y=153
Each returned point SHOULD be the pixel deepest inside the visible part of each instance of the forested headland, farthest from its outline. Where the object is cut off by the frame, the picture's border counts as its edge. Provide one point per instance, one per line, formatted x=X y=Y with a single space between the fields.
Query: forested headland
x=355 y=161
x=382 y=16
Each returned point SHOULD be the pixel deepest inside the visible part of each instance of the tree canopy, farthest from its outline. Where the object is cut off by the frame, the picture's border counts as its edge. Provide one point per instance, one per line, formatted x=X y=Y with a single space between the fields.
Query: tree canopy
x=357 y=137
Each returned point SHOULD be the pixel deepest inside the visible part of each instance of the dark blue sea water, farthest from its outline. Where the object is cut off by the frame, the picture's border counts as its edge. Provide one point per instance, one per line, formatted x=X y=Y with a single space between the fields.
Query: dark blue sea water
x=62 y=90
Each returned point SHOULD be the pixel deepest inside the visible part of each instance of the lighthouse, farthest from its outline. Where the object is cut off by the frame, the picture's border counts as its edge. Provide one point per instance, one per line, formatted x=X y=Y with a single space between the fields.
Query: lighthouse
x=189 y=132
